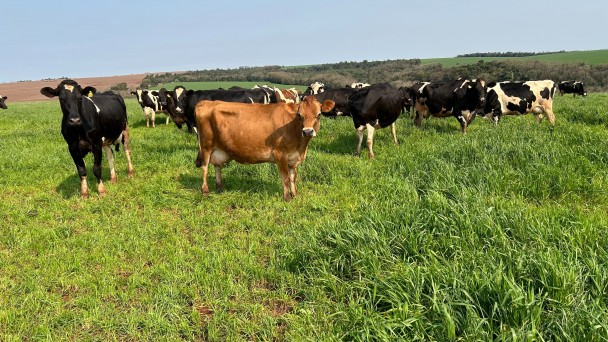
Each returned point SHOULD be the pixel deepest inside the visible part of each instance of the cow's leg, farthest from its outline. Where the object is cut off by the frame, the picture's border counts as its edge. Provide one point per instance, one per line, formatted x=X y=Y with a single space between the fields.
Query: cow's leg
x=394 y=132
x=167 y=121
x=126 y=142
x=110 y=157
x=360 y=139
x=293 y=175
x=97 y=169
x=370 y=140
x=81 y=168
x=206 y=156
x=219 y=186
x=153 y=118
x=285 y=177
x=147 y=111
x=463 y=123
x=549 y=111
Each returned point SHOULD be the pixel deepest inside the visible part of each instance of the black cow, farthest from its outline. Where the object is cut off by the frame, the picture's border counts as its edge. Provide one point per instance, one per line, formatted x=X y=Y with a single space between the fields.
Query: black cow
x=340 y=97
x=462 y=99
x=516 y=98
x=376 y=106
x=91 y=122
x=2 y=103
x=572 y=87
x=149 y=102
x=185 y=100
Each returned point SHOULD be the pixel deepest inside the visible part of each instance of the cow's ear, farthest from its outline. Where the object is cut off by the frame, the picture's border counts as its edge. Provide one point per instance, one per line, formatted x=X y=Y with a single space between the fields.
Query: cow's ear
x=48 y=92
x=133 y=93
x=327 y=106
x=89 y=91
x=4 y=97
x=155 y=93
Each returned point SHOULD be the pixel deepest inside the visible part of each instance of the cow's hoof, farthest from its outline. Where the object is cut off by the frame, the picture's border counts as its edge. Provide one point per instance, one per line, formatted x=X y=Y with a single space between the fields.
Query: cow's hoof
x=84 y=195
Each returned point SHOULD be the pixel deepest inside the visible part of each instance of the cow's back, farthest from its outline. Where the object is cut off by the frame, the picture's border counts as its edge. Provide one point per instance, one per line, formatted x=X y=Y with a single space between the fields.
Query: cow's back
x=106 y=113
x=248 y=133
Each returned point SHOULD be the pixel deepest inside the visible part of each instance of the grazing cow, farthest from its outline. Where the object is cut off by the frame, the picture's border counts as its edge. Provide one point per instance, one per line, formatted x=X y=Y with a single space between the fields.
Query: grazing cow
x=148 y=100
x=254 y=133
x=314 y=88
x=359 y=85
x=287 y=95
x=376 y=106
x=516 y=98
x=91 y=123
x=340 y=97
x=572 y=87
x=462 y=99
x=185 y=101
x=2 y=103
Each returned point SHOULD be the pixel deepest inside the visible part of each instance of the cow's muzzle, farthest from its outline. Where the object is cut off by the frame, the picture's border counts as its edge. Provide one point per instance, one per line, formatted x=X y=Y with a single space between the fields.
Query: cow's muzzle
x=74 y=122
x=308 y=132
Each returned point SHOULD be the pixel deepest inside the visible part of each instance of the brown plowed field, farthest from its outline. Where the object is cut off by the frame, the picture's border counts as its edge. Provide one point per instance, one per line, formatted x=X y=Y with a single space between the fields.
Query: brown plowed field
x=30 y=91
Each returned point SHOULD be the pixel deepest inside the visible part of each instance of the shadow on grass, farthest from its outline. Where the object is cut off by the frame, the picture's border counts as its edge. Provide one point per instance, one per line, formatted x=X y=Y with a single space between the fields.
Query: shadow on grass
x=233 y=181
x=70 y=186
x=160 y=120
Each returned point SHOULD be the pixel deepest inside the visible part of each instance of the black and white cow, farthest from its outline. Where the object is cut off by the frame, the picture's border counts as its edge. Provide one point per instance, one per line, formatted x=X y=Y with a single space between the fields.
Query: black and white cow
x=148 y=100
x=373 y=107
x=517 y=98
x=92 y=122
x=2 y=103
x=462 y=99
x=314 y=88
x=572 y=87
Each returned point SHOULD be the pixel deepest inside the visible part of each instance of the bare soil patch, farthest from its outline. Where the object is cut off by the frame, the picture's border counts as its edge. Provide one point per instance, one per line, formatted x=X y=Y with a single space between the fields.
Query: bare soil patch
x=30 y=90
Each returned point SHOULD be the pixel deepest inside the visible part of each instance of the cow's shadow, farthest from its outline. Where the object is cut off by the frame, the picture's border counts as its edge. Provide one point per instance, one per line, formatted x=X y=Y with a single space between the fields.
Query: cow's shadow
x=234 y=181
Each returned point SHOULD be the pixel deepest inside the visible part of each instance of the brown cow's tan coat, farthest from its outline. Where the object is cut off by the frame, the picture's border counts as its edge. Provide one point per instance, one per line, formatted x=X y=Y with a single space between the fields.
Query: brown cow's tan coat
x=257 y=133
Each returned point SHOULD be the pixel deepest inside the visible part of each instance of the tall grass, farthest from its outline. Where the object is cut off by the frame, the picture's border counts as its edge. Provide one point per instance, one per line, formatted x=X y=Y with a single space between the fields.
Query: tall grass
x=496 y=234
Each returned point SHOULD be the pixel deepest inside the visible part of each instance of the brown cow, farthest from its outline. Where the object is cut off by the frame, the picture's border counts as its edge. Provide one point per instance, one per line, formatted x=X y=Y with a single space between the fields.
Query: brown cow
x=257 y=133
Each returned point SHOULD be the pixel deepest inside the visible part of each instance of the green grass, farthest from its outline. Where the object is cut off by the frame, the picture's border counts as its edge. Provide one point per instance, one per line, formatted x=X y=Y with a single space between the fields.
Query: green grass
x=589 y=57
x=226 y=85
x=499 y=234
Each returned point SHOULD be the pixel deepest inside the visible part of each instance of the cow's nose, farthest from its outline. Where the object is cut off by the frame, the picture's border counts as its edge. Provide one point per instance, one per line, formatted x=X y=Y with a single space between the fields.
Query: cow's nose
x=178 y=109
x=308 y=132
x=75 y=121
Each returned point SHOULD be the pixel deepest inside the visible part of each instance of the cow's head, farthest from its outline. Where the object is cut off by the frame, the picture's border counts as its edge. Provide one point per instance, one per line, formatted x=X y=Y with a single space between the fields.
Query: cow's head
x=579 y=87
x=2 y=104
x=178 y=106
x=70 y=95
x=166 y=99
x=477 y=90
x=309 y=114
x=139 y=95
x=316 y=88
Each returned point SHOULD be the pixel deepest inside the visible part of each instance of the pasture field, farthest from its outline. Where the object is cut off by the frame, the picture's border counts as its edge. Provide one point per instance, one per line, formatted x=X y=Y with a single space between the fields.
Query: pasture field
x=590 y=57
x=499 y=234
x=225 y=85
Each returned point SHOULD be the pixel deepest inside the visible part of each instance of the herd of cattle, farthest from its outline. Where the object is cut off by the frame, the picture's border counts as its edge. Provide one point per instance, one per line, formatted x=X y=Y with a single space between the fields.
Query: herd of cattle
x=268 y=124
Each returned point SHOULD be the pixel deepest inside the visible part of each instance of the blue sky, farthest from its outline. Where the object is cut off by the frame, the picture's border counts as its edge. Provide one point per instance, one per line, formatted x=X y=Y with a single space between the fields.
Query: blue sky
x=49 y=39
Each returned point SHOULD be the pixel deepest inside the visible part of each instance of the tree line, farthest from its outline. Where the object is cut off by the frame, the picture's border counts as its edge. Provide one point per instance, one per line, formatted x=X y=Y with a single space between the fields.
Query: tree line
x=508 y=54
x=401 y=72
